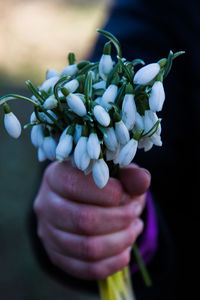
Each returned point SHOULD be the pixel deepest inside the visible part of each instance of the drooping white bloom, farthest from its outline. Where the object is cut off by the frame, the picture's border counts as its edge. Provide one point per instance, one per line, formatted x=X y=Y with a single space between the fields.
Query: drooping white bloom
x=139 y=122
x=150 y=118
x=93 y=146
x=72 y=85
x=49 y=84
x=98 y=100
x=12 y=125
x=37 y=135
x=101 y=115
x=129 y=111
x=100 y=85
x=50 y=102
x=70 y=70
x=77 y=133
x=51 y=73
x=64 y=147
x=41 y=155
x=76 y=104
x=105 y=66
x=157 y=96
x=49 y=147
x=33 y=118
x=145 y=143
x=127 y=153
x=122 y=132
x=110 y=139
x=109 y=95
x=100 y=173
x=112 y=155
x=146 y=74
x=81 y=156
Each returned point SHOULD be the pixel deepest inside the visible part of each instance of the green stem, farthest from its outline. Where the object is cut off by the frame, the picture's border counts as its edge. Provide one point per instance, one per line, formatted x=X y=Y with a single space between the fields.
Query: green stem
x=9 y=97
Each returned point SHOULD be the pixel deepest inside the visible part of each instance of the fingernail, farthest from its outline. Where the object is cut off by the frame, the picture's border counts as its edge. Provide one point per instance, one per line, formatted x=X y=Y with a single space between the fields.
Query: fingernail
x=138 y=225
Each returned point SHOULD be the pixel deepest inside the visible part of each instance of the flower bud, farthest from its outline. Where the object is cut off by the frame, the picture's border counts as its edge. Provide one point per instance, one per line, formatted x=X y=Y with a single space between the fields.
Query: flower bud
x=51 y=73
x=70 y=70
x=139 y=121
x=129 y=111
x=50 y=102
x=122 y=132
x=100 y=173
x=72 y=85
x=93 y=146
x=109 y=95
x=146 y=74
x=150 y=118
x=64 y=147
x=76 y=104
x=41 y=155
x=105 y=66
x=37 y=135
x=99 y=85
x=12 y=125
x=81 y=157
x=33 y=118
x=49 y=147
x=110 y=139
x=157 y=96
x=49 y=84
x=101 y=115
x=127 y=153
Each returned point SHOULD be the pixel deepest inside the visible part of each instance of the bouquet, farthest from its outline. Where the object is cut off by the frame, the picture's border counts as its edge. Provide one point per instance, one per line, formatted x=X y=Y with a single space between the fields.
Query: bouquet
x=97 y=114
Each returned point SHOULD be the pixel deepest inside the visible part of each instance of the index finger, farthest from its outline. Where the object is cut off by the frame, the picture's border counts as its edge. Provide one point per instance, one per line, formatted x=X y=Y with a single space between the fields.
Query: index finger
x=69 y=182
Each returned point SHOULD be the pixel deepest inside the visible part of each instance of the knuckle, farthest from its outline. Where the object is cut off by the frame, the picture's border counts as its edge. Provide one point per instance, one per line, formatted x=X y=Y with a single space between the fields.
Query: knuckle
x=89 y=249
x=86 y=221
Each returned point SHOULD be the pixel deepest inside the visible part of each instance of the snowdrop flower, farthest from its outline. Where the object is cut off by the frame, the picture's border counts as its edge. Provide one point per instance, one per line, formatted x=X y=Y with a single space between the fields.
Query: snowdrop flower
x=129 y=108
x=150 y=118
x=50 y=102
x=157 y=96
x=51 y=73
x=109 y=95
x=127 y=153
x=70 y=70
x=33 y=118
x=76 y=104
x=100 y=172
x=101 y=115
x=98 y=100
x=112 y=155
x=93 y=146
x=121 y=130
x=49 y=84
x=65 y=145
x=145 y=143
x=49 y=147
x=100 y=85
x=12 y=125
x=77 y=133
x=41 y=155
x=105 y=63
x=81 y=156
x=37 y=135
x=72 y=85
x=146 y=74
x=110 y=139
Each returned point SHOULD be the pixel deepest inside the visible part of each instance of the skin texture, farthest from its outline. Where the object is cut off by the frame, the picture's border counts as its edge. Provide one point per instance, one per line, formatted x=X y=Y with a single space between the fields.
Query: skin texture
x=88 y=232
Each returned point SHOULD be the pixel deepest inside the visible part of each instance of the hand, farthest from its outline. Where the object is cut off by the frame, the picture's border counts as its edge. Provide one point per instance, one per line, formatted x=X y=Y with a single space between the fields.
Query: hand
x=88 y=232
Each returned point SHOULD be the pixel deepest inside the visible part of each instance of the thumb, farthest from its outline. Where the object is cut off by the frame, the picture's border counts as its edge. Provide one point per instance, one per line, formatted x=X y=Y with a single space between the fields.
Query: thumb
x=135 y=180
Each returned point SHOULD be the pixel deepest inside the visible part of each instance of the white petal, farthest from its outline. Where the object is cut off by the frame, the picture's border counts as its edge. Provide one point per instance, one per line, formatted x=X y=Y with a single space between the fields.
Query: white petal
x=146 y=74
x=129 y=111
x=110 y=139
x=127 y=153
x=100 y=173
x=64 y=147
x=37 y=136
x=112 y=155
x=33 y=118
x=93 y=146
x=100 y=85
x=122 y=132
x=51 y=73
x=101 y=115
x=150 y=118
x=41 y=155
x=81 y=157
x=70 y=70
x=49 y=84
x=76 y=105
x=145 y=143
x=105 y=66
x=157 y=96
x=50 y=102
x=72 y=85
x=139 y=122
x=77 y=133
x=12 y=125
x=49 y=147
x=109 y=95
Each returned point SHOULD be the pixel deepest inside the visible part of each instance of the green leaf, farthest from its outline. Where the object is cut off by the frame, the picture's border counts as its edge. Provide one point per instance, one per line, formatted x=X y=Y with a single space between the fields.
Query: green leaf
x=113 y=39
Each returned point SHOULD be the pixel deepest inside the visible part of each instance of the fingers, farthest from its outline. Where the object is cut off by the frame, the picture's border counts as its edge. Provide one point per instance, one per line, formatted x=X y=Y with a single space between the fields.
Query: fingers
x=91 y=270
x=72 y=183
x=86 y=219
x=134 y=180
x=93 y=248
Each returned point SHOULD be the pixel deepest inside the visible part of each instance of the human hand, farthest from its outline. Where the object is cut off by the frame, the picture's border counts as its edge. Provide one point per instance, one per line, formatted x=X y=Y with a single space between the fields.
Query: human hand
x=88 y=232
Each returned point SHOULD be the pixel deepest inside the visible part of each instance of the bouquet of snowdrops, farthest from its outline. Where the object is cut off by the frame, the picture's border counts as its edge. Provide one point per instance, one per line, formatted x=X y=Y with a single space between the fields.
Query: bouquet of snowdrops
x=97 y=114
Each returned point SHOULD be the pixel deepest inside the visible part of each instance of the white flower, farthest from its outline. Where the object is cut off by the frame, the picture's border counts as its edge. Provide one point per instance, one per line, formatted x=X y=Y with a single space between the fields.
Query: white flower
x=112 y=155
x=49 y=84
x=77 y=133
x=12 y=125
x=157 y=96
x=33 y=118
x=76 y=104
x=150 y=118
x=105 y=66
x=129 y=111
x=37 y=135
x=122 y=132
x=146 y=74
x=93 y=146
x=70 y=70
x=81 y=157
x=51 y=73
x=100 y=85
x=50 y=102
x=98 y=100
x=110 y=139
x=49 y=147
x=127 y=153
x=109 y=95
x=145 y=143
x=139 y=121
x=72 y=85
x=100 y=173
x=41 y=155
x=101 y=115
x=64 y=147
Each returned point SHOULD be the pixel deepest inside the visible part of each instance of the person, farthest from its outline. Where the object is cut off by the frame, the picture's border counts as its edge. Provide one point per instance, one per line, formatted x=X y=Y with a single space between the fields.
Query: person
x=88 y=233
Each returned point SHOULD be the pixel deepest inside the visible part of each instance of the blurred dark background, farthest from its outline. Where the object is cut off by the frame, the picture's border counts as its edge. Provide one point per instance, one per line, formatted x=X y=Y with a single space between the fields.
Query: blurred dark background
x=35 y=35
